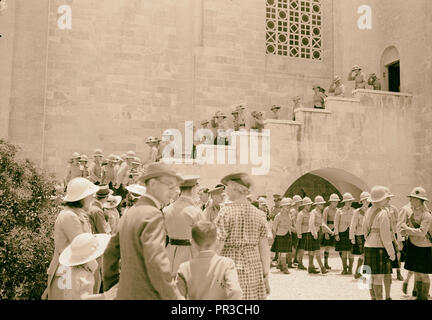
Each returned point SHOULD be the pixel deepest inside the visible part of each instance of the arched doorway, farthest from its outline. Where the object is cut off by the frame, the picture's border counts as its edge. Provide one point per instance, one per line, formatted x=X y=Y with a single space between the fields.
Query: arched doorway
x=390 y=70
x=325 y=182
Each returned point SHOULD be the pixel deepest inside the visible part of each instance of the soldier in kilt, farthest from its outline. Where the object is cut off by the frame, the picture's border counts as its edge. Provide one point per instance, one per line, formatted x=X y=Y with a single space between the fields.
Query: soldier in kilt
x=378 y=250
x=282 y=228
x=315 y=232
x=328 y=224
x=303 y=234
x=417 y=226
x=342 y=222
x=356 y=232
x=297 y=201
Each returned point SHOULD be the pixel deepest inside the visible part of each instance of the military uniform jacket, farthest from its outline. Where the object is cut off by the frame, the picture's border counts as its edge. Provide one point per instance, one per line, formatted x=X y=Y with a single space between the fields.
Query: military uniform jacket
x=140 y=242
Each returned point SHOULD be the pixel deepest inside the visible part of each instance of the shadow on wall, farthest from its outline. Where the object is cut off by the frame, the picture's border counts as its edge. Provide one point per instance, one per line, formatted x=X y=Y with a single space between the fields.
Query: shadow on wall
x=326 y=181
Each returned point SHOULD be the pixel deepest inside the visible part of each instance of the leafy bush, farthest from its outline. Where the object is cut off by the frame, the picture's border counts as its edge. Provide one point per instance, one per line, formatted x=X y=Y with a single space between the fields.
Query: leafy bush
x=28 y=209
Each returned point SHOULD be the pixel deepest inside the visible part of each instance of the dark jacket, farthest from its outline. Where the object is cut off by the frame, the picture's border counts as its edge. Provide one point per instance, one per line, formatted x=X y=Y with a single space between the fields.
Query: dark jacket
x=145 y=268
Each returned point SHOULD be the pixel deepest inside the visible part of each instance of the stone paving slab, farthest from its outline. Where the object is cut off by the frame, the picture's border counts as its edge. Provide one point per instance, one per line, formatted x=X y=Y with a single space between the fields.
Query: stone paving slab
x=299 y=285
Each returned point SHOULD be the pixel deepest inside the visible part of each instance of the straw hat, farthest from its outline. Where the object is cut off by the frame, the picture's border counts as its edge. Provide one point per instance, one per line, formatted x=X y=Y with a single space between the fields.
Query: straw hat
x=84 y=248
x=239 y=177
x=97 y=153
x=286 y=202
x=306 y=201
x=347 y=197
x=112 y=202
x=364 y=196
x=83 y=158
x=217 y=190
x=297 y=198
x=420 y=193
x=378 y=193
x=319 y=200
x=78 y=189
x=158 y=169
x=137 y=189
x=75 y=155
x=112 y=158
x=130 y=155
x=334 y=198
x=204 y=122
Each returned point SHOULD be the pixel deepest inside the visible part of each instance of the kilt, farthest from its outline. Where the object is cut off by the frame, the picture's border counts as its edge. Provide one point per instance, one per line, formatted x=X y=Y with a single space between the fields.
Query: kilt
x=309 y=243
x=418 y=259
x=327 y=243
x=294 y=240
x=282 y=243
x=358 y=247
x=344 y=243
x=378 y=260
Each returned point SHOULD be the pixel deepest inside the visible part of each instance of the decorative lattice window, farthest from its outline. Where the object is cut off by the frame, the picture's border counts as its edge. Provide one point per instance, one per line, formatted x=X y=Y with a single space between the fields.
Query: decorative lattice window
x=293 y=28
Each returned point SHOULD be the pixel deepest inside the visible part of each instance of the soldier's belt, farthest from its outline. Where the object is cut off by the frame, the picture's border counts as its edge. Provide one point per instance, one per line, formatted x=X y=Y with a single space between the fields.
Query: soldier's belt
x=179 y=242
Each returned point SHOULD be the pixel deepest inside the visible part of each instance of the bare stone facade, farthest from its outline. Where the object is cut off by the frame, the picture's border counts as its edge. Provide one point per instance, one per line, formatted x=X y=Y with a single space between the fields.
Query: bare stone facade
x=130 y=69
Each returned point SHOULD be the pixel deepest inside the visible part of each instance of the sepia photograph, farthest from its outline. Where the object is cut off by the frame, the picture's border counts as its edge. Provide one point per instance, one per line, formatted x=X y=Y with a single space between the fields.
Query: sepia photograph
x=214 y=150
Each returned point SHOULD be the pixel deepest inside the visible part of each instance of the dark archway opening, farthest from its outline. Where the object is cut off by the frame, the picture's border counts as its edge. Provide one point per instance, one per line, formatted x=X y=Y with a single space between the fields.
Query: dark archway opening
x=394 y=76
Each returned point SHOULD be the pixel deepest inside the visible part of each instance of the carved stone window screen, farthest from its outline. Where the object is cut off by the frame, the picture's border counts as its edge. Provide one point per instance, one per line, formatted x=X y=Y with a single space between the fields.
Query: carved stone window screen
x=293 y=28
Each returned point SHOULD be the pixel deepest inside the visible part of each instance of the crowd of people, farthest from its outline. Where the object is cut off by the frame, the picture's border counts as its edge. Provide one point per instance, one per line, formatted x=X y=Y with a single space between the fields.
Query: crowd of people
x=167 y=237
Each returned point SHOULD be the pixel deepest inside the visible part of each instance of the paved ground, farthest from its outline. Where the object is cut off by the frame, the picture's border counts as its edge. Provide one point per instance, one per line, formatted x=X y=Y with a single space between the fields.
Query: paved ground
x=300 y=285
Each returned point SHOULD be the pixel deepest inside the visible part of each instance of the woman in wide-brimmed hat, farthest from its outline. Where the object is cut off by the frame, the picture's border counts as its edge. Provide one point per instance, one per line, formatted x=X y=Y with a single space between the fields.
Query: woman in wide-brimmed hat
x=70 y=222
x=79 y=261
x=328 y=221
x=343 y=244
x=417 y=227
x=378 y=249
x=243 y=236
x=356 y=233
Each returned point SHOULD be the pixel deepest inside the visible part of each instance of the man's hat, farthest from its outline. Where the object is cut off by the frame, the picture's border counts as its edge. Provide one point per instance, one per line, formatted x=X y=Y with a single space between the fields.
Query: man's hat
x=151 y=140
x=130 y=154
x=83 y=158
x=337 y=78
x=220 y=114
x=217 y=189
x=378 y=193
x=355 y=67
x=241 y=106
x=79 y=188
x=420 y=193
x=136 y=160
x=75 y=155
x=364 y=196
x=203 y=122
x=319 y=200
x=306 y=201
x=159 y=169
x=136 y=188
x=104 y=191
x=334 y=198
x=347 y=197
x=189 y=181
x=286 y=202
x=112 y=158
x=112 y=202
x=97 y=153
x=203 y=190
x=240 y=178
x=297 y=199
x=274 y=107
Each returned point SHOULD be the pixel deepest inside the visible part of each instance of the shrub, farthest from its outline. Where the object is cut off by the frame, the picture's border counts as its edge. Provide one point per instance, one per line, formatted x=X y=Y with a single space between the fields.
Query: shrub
x=28 y=209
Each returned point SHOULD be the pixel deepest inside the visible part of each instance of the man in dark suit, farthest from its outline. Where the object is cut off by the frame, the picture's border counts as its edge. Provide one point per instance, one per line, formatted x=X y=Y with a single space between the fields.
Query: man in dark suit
x=140 y=241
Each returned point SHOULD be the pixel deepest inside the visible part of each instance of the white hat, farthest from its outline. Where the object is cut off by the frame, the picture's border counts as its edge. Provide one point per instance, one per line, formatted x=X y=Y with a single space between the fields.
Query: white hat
x=84 y=248
x=306 y=201
x=297 y=199
x=364 y=196
x=136 y=188
x=319 y=200
x=420 y=193
x=347 y=197
x=112 y=202
x=286 y=202
x=334 y=198
x=79 y=188
x=378 y=193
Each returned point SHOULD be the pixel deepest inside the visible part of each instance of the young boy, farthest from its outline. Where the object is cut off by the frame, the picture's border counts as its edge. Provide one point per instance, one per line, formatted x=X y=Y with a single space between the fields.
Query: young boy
x=208 y=276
